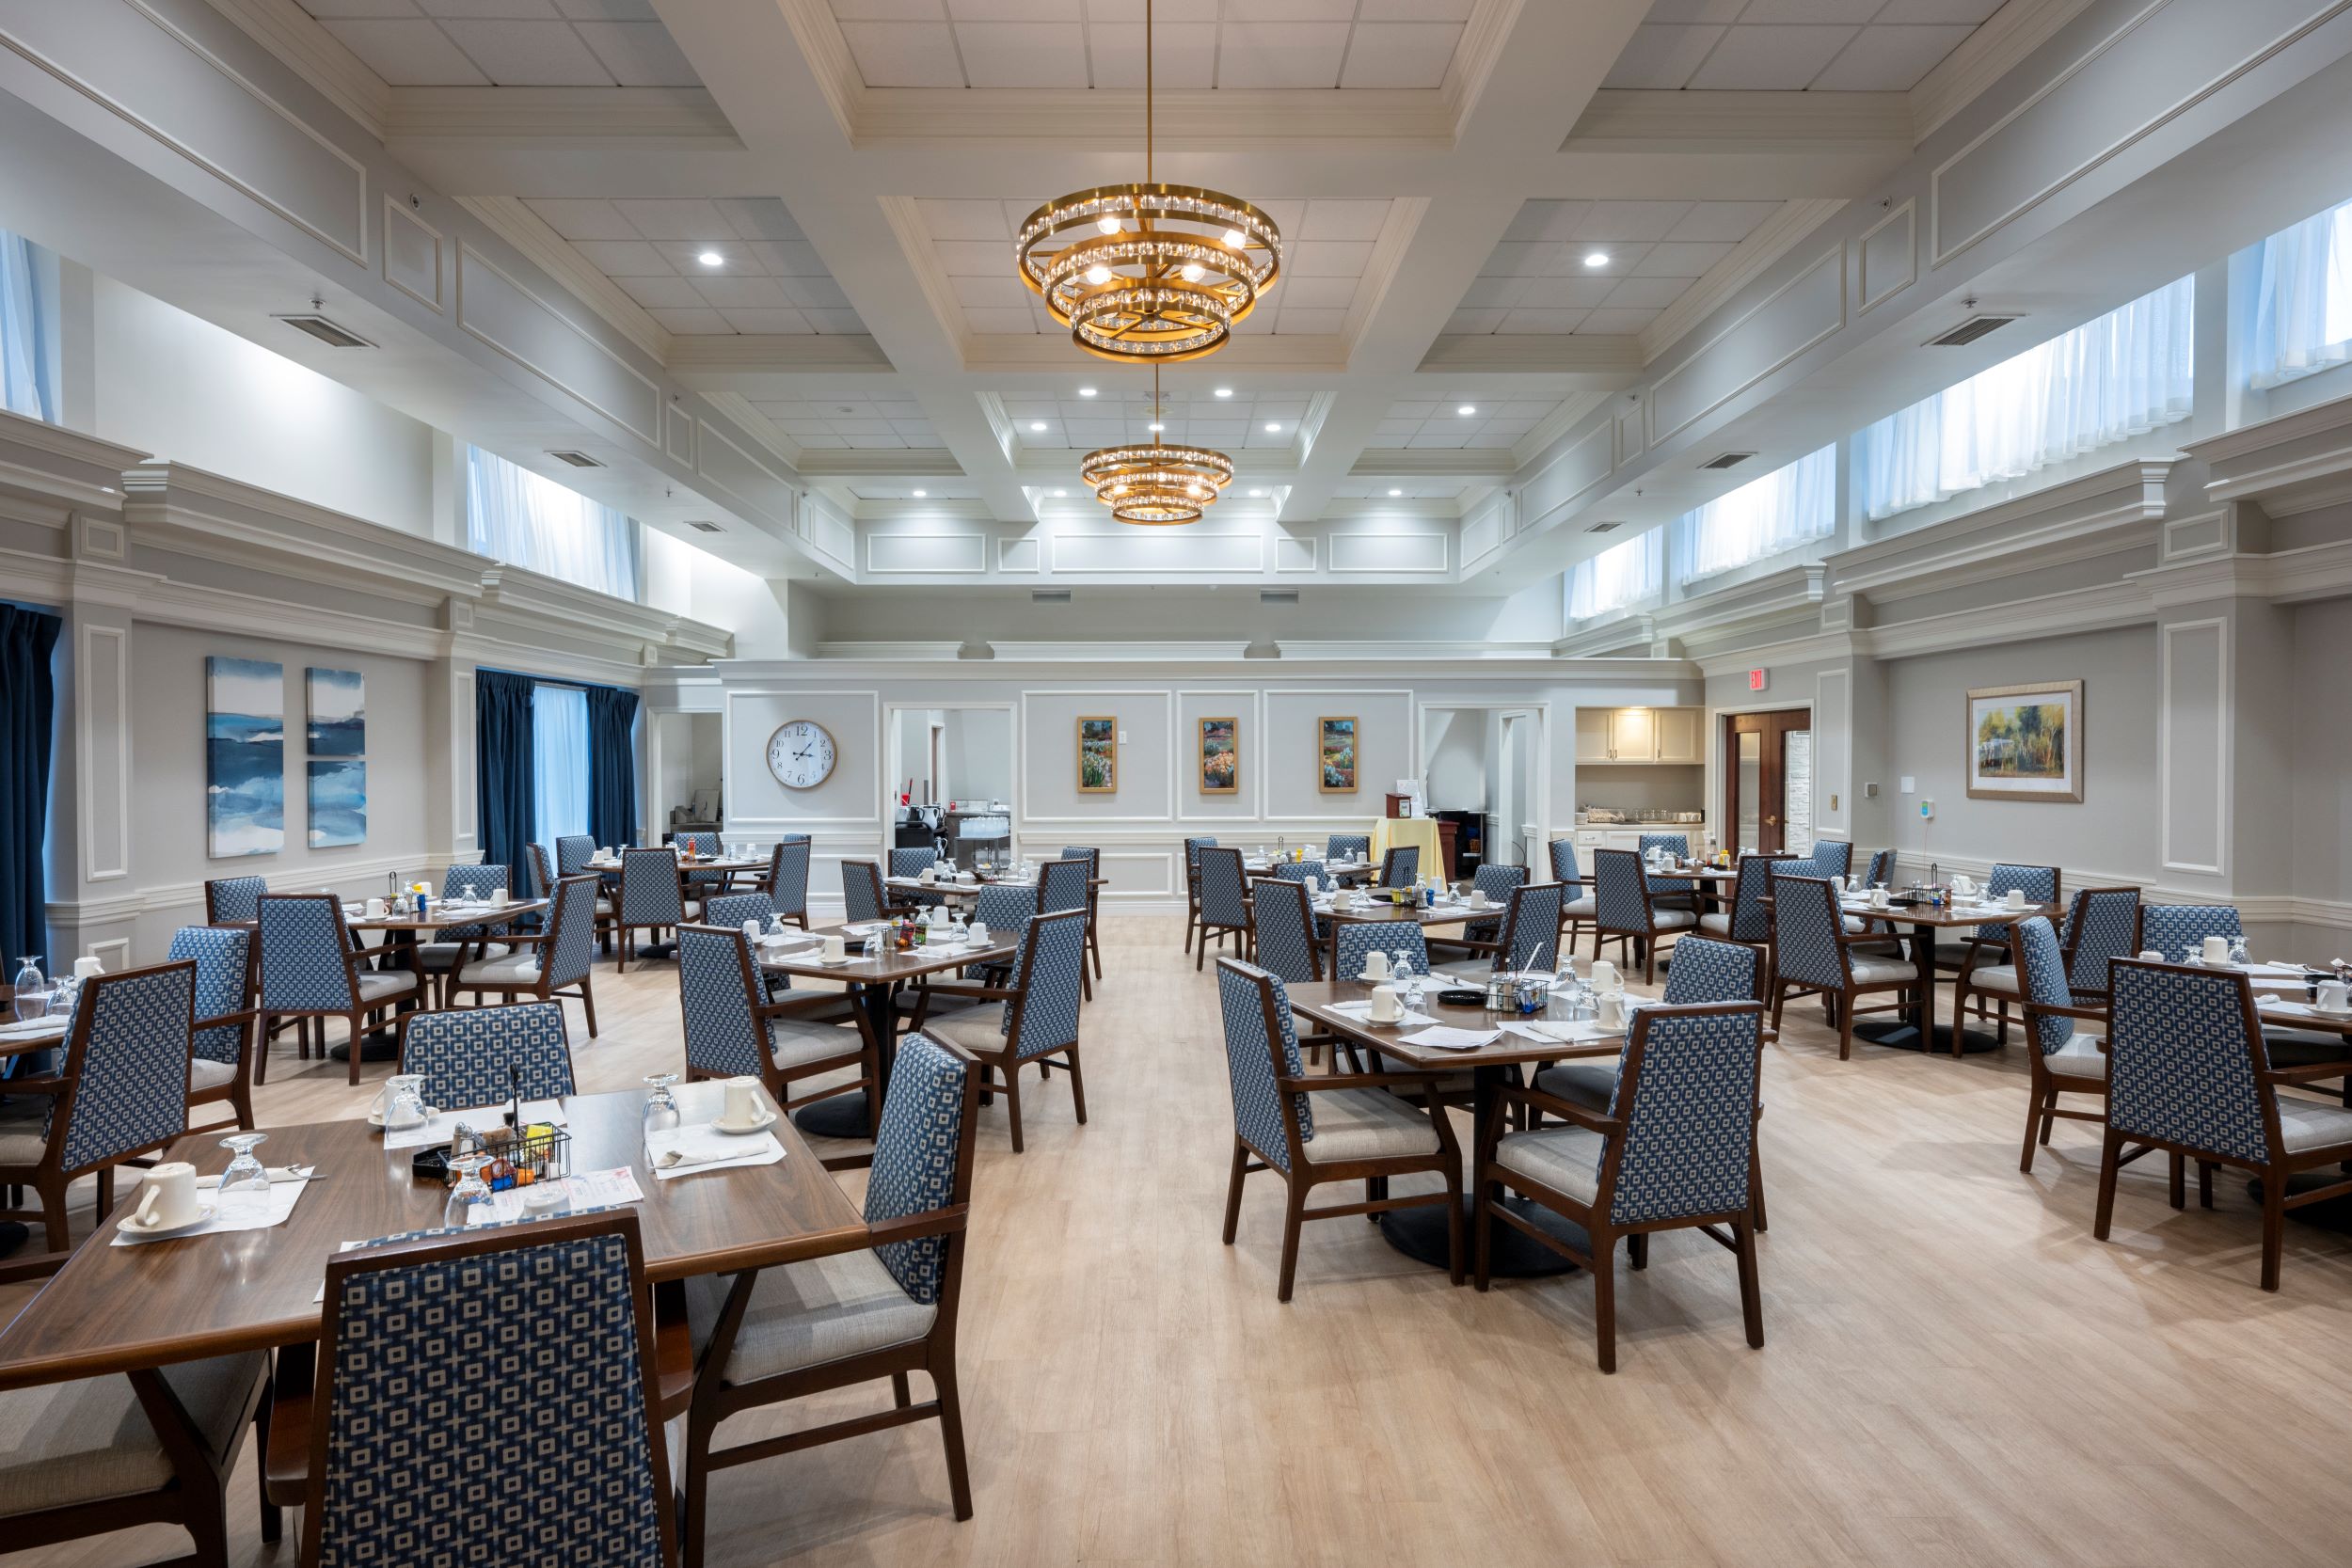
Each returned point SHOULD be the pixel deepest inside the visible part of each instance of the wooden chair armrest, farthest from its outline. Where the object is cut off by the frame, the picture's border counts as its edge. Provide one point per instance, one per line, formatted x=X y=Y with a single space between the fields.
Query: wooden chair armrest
x=1356 y=1081
x=34 y=1086
x=1567 y=1110
x=909 y=1228
x=2095 y=1015
x=224 y=1021
x=2314 y=1073
x=978 y=993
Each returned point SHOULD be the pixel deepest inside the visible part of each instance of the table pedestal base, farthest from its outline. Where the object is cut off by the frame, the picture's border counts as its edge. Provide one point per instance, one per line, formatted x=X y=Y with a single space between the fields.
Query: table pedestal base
x=1903 y=1036
x=1421 y=1235
x=842 y=1116
x=376 y=1045
x=14 y=1237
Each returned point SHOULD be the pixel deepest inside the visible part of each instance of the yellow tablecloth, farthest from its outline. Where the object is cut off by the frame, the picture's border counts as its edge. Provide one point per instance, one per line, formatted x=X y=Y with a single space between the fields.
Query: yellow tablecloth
x=1395 y=833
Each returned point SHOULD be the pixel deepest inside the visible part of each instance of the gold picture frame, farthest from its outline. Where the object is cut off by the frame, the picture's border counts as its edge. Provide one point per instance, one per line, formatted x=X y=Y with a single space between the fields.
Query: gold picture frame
x=1336 y=754
x=1220 y=754
x=1098 y=756
x=2026 y=743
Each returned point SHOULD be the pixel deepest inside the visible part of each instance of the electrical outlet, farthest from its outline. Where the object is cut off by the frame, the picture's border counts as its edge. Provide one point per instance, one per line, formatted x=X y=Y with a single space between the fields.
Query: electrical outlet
x=1870 y=792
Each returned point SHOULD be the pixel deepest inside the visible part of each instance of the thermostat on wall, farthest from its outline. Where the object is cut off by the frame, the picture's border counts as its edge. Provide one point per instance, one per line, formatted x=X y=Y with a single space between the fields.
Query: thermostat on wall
x=1926 y=811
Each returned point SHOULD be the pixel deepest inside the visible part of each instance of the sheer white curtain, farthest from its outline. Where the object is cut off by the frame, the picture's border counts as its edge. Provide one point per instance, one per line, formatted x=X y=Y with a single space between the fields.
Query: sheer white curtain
x=559 y=759
x=2302 y=303
x=1764 y=517
x=2121 y=376
x=28 y=328
x=1619 y=576
x=514 y=516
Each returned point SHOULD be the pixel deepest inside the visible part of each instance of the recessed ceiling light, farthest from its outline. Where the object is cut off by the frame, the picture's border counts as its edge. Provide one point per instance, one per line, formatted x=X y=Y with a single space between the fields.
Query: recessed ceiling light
x=1467 y=409
x=1596 y=258
x=1059 y=493
x=1273 y=427
x=1259 y=494
x=1085 y=392
x=710 y=259
x=1225 y=391
x=1395 y=493
x=1037 y=425
x=920 y=494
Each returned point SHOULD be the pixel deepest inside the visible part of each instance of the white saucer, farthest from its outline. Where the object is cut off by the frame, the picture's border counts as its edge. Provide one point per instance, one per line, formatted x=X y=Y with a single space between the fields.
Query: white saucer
x=376 y=1118
x=2318 y=1011
x=204 y=1213
x=842 y=962
x=768 y=1119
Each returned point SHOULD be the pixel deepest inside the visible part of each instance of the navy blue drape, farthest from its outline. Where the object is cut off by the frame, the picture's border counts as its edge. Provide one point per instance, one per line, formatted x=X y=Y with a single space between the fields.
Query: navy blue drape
x=28 y=700
x=505 y=794
x=612 y=765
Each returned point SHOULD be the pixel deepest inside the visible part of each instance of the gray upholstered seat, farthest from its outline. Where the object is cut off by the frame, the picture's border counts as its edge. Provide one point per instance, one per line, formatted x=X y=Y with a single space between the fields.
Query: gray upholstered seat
x=2290 y=1048
x=2000 y=979
x=89 y=1440
x=1673 y=920
x=22 y=1139
x=378 y=985
x=1870 y=971
x=978 y=1027
x=2080 y=1057
x=1588 y=1084
x=798 y=1044
x=806 y=1314
x=1584 y=907
x=205 y=1073
x=1367 y=1124
x=1720 y=923
x=1566 y=1159
x=2305 y=1124
x=514 y=969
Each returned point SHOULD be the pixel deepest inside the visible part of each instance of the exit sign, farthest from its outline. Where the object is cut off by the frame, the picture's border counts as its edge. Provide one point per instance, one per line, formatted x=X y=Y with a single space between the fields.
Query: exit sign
x=1755 y=680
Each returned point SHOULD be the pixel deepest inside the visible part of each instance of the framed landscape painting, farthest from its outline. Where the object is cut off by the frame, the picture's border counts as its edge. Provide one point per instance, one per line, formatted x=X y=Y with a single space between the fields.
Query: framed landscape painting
x=244 y=757
x=2026 y=743
x=1335 y=755
x=339 y=713
x=1098 y=756
x=339 y=803
x=1220 y=756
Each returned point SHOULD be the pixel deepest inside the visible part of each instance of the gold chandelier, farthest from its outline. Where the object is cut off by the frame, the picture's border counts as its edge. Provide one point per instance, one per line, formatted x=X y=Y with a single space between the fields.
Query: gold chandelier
x=1150 y=272
x=1156 y=482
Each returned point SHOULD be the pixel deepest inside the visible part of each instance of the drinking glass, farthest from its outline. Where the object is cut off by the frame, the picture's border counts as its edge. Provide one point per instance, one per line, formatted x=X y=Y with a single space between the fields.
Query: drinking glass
x=245 y=1172
x=2238 y=954
x=32 y=991
x=660 y=1109
x=469 y=1201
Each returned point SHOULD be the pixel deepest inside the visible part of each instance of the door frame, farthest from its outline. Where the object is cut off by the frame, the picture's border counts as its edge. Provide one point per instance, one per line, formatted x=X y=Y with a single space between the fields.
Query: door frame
x=1540 y=816
x=1718 y=759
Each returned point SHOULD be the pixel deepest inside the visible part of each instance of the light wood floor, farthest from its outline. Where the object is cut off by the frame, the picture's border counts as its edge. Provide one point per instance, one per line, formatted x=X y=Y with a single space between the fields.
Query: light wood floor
x=1954 y=1373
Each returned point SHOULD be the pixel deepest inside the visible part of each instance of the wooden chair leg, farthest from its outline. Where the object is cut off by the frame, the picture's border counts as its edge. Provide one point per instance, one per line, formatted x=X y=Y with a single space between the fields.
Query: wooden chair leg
x=2274 y=1223
x=52 y=1220
x=1233 y=1188
x=2110 y=1150
x=951 y=1433
x=1637 y=1249
x=1077 y=1088
x=588 y=1006
x=2178 y=1193
x=1750 y=1290
x=1294 y=1213
x=1453 y=1221
x=1845 y=1029
x=2037 y=1119
x=1483 y=1224
x=2204 y=1183
x=1605 y=1299
x=1013 y=1101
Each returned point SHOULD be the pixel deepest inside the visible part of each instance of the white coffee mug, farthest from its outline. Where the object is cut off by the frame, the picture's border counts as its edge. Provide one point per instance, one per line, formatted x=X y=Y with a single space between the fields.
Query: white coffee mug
x=1605 y=978
x=1610 y=1009
x=605 y=853
x=835 y=950
x=1964 y=886
x=2017 y=898
x=2334 y=997
x=2217 y=950
x=743 y=1107
x=166 y=1198
x=87 y=968
x=375 y=908
x=1839 y=883
x=1879 y=898
x=1478 y=898
x=1376 y=964
x=927 y=876
x=1384 y=1004
x=751 y=929
x=979 y=930
x=499 y=898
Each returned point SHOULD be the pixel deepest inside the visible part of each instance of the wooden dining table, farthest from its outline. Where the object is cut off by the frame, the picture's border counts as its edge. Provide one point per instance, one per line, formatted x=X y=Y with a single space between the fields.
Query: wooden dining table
x=401 y=935
x=117 y=1310
x=1918 y=1030
x=1421 y=1232
x=1379 y=911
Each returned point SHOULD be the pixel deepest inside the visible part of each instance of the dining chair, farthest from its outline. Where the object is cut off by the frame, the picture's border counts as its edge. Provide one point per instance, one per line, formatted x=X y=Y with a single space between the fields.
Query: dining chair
x=1038 y=1023
x=431 y=1338
x=733 y=1029
x=1339 y=1127
x=788 y=879
x=1814 y=954
x=1093 y=858
x=483 y=1056
x=1673 y=1151
x=1626 y=912
x=1832 y=858
x=2099 y=926
x=559 y=962
x=1878 y=869
x=120 y=1091
x=2063 y=1059
x=1401 y=867
x=1001 y=907
x=220 y=1063
x=1578 y=904
x=1224 y=903
x=1987 y=945
x=311 y=971
x=1749 y=920
x=1679 y=891
x=1192 y=885
x=455 y=946
x=733 y=909
x=1348 y=847
x=1357 y=939
x=889 y=1309
x=2188 y=1072
x=1496 y=883
x=701 y=884
x=1288 y=946
x=1062 y=886
x=2178 y=930
x=1303 y=872
x=115 y=1451
x=913 y=861
x=863 y=895
x=228 y=898
x=573 y=852
x=652 y=898
x=1526 y=937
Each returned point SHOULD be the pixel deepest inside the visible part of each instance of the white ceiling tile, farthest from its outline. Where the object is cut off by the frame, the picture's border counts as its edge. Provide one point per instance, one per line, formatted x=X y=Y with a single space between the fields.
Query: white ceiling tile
x=1311 y=293
x=607 y=10
x=1539 y=321
x=1695 y=11
x=996 y=322
x=1568 y=261
x=1723 y=221
x=1327 y=259
x=639 y=54
x=1413 y=11
x=1546 y=220
x=1014 y=10
x=736 y=257
x=527 y=10
x=1162 y=13
x=1289 y=215
x=904 y=54
x=1390 y=432
x=975 y=258
x=1769 y=60
x=948 y=218
x=758 y=217
x=1279 y=55
x=1305 y=322
x=619 y=258
x=829 y=443
x=885 y=441
x=1493 y=293
x=1630 y=220
x=676 y=218
x=583 y=217
x=737 y=293
x=999 y=289
x=1217 y=430
x=1022 y=55
x=1094 y=433
x=1646 y=294
x=820 y=293
x=1291 y=10
x=529 y=53
x=784 y=258
x=1678 y=259
x=836 y=322
x=1184 y=55
x=1400 y=53
x=889 y=11
x=1889 y=59
x=1343 y=220
x=1564 y=294
x=1512 y=260
x=1617 y=322
x=1439 y=438
x=1524 y=408
x=1970 y=12
x=699 y=324
x=408 y=54
x=1662 y=59
x=780 y=322
x=1760 y=12
x=325 y=10
x=666 y=292
x=1415 y=409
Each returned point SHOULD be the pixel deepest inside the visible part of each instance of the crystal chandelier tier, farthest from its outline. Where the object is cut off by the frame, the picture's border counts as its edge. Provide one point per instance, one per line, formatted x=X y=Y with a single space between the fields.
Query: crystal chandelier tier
x=1156 y=482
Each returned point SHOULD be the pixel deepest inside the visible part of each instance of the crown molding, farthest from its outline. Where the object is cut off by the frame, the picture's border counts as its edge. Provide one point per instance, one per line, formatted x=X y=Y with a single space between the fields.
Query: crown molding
x=851 y=462
x=62 y=465
x=745 y=413
x=1772 y=238
x=542 y=248
x=1380 y=269
x=1613 y=362
x=678 y=119
x=1200 y=119
x=2062 y=515
x=1495 y=463
x=2102 y=607
x=2295 y=463
x=554 y=605
x=939 y=291
x=1485 y=35
x=318 y=56
x=757 y=353
x=1984 y=57
x=1674 y=122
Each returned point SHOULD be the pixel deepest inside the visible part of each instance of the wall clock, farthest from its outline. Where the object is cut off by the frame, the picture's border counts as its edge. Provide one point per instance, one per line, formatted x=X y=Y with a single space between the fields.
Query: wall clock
x=800 y=754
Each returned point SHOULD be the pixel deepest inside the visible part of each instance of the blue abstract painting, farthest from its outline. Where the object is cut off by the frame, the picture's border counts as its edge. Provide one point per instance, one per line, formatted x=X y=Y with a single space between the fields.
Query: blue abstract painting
x=339 y=713
x=244 y=757
x=338 y=804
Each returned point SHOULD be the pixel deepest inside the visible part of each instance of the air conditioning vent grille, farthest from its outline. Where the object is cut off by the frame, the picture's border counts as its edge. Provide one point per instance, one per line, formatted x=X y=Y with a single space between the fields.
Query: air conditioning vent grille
x=1049 y=595
x=1604 y=527
x=1969 y=331
x=332 y=333
x=706 y=528
x=576 y=459
x=1728 y=460
x=1278 y=596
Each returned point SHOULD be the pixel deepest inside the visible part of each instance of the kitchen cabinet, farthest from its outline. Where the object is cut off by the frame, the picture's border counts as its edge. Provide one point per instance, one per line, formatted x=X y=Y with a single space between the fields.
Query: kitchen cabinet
x=1592 y=733
x=1680 y=732
x=1632 y=735
x=1640 y=735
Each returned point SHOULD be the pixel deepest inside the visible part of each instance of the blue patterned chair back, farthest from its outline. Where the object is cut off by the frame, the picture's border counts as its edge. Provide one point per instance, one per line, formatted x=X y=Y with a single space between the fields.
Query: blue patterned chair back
x=1680 y=844
x=1192 y=851
x=704 y=843
x=1286 y=940
x=1398 y=939
x=127 y=1059
x=1224 y=897
x=2041 y=979
x=733 y=909
x=1086 y=852
x=306 y=948
x=2102 y=925
x=1563 y=867
x=2040 y=883
x=2171 y=929
x=542 y=873
x=1299 y=871
x=1496 y=883
x=1529 y=931
x=788 y=875
x=1706 y=971
x=649 y=891
x=1689 y=1117
x=1620 y=892
x=571 y=944
x=465 y=1055
x=2183 y=1064
x=1046 y=967
x=1832 y=857
x=1751 y=920
x=573 y=852
x=1006 y=906
x=922 y=1160
x=233 y=898
x=863 y=896
x=1348 y=847
x=1882 y=868
x=1805 y=931
x=551 y=1317
x=223 y=955
x=717 y=990
x=912 y=861
x=1062 y=885
x=1401 y=867
x=1260 y=1048
x=474 y=882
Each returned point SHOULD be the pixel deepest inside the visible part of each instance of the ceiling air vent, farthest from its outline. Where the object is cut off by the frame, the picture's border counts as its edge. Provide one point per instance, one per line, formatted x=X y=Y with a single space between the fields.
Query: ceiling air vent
x=1049 y=595
x=1604 y=527
x=1969 y=331
x=326 y=331
x=706 y=528
x=576 y=459
x=1278 y=596
x=1728 y=460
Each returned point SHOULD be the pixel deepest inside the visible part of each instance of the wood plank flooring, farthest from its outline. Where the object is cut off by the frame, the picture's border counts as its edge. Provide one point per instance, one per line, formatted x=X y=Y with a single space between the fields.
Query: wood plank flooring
x=1954 y=1373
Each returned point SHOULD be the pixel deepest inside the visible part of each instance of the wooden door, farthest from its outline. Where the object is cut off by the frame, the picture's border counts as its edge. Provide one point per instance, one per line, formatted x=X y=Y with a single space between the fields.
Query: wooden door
x=1768 y=781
